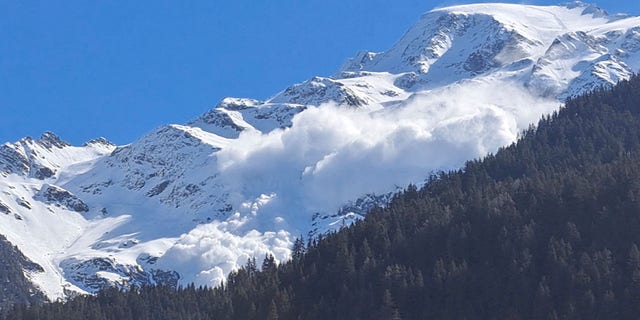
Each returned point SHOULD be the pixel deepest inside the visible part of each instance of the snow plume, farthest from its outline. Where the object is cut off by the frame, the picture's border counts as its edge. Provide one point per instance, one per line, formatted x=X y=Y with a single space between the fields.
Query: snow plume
x=333 y=154
x=207 y=254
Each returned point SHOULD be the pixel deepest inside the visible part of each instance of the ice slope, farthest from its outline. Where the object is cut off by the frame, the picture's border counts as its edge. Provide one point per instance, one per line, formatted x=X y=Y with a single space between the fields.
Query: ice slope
x=189 y=203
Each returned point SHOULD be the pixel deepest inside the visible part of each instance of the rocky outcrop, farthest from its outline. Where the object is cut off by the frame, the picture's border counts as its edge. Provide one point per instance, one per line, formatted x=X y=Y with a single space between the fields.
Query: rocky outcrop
x=4 y=208
x=12 y=160
x=95 y=274
x=50 y=140
x=318 y=91
x=59 y=197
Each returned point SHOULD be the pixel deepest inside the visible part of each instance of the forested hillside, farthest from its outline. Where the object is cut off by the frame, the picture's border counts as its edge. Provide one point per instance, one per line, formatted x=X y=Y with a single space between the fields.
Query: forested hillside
x=547 y=228
x=14 y=286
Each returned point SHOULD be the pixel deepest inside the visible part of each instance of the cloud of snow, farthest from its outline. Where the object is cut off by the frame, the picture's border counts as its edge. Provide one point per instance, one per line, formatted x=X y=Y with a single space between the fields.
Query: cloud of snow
x=207 y=254
x=333 y=154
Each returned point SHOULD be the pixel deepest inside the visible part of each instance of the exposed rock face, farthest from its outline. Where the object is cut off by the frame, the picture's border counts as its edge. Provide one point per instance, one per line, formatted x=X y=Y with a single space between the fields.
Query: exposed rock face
x=59 y=197
x=43 y=173
x=99 y=273
x=13 y=161
x=223 y=120
x=4 y=208
x=320 y=90
x=158 y=189
x=50 y=140
x=233 y=116
x=24 y=203
x=100 y=142
x=39 y=158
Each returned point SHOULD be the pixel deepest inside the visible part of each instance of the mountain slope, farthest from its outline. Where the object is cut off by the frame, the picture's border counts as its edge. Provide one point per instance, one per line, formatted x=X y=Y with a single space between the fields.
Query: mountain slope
x=190 y=203
x=544 y=229
x=571 y=49
x=16 y=288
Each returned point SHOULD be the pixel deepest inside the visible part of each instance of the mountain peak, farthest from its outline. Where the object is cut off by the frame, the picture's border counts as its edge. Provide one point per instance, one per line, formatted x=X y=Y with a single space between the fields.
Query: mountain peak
x=50 y=139
x=99 y=142
x=588 y=8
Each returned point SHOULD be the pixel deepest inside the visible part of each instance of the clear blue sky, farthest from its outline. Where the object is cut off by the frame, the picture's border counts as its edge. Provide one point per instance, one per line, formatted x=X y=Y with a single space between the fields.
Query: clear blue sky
x=85 y=69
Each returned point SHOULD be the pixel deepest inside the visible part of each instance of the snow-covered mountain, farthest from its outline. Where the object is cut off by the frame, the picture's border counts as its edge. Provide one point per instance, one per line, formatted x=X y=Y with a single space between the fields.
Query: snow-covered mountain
x=189 y=203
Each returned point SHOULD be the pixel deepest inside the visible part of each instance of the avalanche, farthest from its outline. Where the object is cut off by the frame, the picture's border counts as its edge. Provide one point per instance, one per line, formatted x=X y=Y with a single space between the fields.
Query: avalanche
x=189 y=203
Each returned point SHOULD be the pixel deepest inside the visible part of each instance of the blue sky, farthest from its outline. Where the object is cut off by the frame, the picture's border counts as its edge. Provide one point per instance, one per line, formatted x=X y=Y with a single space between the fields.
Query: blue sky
x=118 y=69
